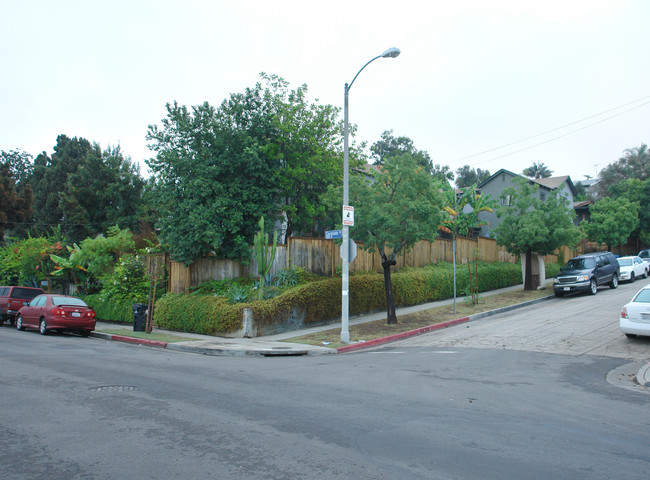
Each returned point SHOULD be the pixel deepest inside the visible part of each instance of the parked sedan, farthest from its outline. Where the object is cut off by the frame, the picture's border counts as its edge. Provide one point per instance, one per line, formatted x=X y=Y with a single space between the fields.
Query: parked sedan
x=632 y=267
x=49 y=312
x=635 y=316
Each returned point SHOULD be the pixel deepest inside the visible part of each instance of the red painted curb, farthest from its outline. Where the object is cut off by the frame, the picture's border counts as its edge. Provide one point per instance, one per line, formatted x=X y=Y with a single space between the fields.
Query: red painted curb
x=400 y=336
x=153 y=343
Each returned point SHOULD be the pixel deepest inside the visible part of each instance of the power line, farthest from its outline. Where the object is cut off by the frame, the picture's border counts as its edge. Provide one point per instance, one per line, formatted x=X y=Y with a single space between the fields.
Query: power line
x=556 y=129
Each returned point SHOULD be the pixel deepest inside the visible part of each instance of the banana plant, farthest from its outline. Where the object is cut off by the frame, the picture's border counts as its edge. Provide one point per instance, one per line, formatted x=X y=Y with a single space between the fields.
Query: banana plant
x=262 y=255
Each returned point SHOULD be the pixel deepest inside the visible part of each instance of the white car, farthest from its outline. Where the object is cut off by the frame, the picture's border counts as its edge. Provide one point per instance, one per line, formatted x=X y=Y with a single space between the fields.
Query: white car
x=635 y=316
x=632 y=267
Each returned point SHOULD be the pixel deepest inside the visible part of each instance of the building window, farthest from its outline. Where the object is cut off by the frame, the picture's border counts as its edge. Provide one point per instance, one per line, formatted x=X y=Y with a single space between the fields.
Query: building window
x=542 y=196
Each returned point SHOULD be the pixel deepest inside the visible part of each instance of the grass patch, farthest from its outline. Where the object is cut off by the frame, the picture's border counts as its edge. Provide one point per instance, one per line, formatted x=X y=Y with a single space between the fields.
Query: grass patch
x=161 y=337
x=423 y=318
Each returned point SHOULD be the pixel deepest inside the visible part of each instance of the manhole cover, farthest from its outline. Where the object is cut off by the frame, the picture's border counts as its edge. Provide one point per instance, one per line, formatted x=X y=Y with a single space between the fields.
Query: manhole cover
x=113 y=388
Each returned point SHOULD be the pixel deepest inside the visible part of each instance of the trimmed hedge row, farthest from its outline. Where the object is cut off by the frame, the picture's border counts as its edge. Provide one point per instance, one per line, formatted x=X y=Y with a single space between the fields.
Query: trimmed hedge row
x=321 y=300
x=110 y=310
x=203 y=314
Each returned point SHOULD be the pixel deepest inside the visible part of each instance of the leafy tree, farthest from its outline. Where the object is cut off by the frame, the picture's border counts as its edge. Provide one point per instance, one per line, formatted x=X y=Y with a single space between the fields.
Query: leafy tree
x=638 y=191
x=443 y=174
x=27 y=262
x=390 y=146
x=466 y=176
x=264 y=152
x=212 y=180
x=84 y=189
x=402 y=206
x=537 y=170
x=15 y=201
x=307 y=142
x=21 y=165
x=635 y=163
x=612 y=221
x=95 y=258
x=129 y=281
x=463 y=210
x=529 y=225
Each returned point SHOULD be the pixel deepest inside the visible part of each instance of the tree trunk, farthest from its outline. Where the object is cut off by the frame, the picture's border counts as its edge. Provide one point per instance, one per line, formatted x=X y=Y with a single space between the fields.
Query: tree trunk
x=390 y=299
x=528 y=279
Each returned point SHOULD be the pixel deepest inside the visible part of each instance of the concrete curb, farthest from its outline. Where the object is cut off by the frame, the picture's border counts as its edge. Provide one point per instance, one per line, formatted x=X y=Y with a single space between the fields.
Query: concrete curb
x=438 y=326
x=643 y=375
x=122 y=338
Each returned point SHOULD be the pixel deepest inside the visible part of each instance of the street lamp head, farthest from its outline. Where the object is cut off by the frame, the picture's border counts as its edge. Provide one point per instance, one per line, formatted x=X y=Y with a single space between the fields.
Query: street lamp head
x=391 y=52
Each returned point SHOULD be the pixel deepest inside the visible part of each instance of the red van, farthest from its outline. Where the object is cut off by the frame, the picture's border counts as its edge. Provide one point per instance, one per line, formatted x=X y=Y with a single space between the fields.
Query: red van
x=12 y=299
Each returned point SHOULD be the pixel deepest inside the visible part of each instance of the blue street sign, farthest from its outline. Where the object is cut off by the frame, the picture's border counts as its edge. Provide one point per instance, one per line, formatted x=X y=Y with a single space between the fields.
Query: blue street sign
x=331 y=234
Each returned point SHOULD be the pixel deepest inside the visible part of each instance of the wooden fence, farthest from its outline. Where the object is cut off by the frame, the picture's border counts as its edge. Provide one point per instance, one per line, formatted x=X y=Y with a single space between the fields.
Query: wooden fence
x=322 y=257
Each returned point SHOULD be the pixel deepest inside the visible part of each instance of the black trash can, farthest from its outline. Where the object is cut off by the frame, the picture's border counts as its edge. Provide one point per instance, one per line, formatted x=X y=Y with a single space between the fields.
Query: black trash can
x=139 y=315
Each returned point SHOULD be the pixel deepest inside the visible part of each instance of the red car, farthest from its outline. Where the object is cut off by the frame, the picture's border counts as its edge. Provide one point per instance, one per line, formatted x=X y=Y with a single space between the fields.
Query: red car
x=57 y=312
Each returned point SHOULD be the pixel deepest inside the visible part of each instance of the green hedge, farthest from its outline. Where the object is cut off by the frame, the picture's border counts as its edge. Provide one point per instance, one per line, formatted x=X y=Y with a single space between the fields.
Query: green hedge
x=321 y=300
x=204 y=314
x=112 y=311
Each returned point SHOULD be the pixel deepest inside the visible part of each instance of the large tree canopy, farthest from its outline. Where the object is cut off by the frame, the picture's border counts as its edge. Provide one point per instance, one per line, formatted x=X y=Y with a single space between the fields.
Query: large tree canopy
x=15 y=199
x=212 y=182
x=612 y=221
x=529 y=225
x=467 y=176
x=635 y=163
x=84 y=189
x=264 y=152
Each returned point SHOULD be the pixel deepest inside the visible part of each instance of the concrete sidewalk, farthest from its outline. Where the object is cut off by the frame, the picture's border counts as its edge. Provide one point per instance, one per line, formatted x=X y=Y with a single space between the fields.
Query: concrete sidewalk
x=274 y=345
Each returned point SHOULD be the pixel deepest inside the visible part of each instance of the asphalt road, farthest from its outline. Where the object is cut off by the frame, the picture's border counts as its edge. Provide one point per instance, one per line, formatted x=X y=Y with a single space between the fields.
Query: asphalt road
x=573 y=325
x=495 y=400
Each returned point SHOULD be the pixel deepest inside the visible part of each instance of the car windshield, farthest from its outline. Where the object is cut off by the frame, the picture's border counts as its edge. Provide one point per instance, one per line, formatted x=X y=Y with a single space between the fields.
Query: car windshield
x=580 y=264
x=624 y=262
x=643 y=296
x=26 y=293
x=72 y=301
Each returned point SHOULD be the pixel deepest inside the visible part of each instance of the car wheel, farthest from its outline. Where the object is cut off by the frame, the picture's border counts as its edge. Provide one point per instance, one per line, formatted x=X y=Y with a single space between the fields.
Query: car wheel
x=614 y=282
x=630 y=335
x=19 y=323
x=632 y=277
x=593 y=287
x=43 y=327
x=645 y=274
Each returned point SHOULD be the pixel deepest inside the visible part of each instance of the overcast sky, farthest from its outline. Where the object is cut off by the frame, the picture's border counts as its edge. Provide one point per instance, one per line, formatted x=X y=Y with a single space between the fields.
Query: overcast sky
x=492 y=84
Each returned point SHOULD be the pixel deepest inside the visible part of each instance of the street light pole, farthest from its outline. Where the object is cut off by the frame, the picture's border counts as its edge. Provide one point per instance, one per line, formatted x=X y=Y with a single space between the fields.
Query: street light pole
x=345 y=250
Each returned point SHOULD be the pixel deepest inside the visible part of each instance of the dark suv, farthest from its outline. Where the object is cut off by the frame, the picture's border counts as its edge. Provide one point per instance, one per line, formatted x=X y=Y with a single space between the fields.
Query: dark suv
x=12 y=300
x=585 y=273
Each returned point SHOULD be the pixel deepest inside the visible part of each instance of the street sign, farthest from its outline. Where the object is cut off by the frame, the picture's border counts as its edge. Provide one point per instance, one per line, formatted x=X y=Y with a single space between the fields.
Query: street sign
x=348 y=215
x=352 y=250
x=332 y=234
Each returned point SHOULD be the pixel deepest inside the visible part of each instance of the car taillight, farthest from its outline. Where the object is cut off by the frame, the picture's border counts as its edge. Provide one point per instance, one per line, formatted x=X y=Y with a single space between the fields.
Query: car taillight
x=624 y=312
x=58 y=311
x=91 y=314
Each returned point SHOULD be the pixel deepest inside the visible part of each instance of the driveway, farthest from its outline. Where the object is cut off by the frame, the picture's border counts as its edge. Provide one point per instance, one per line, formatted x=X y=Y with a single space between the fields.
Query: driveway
x=575 y=325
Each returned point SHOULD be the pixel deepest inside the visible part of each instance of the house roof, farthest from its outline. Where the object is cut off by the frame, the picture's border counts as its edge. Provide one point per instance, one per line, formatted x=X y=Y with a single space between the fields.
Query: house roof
x=582 y=204
x=549 y=183
x=368 y=169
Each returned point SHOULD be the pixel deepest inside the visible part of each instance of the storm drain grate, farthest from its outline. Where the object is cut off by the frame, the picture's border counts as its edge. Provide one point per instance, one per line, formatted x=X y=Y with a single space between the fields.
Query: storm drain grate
x=113 y=388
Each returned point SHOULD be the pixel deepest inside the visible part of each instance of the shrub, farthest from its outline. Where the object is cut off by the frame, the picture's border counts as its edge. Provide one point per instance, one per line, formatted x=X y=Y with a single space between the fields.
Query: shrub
x=110 y=310
x=238 y=293
x=204 y=314
x=320 y=301
x=552 y=269
x=128 y=282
